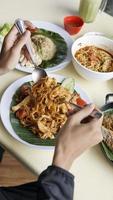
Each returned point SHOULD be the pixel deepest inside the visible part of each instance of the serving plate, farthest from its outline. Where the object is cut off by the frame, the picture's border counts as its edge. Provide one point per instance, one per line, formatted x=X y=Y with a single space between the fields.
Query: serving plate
x=12 y=124
x=69 y=41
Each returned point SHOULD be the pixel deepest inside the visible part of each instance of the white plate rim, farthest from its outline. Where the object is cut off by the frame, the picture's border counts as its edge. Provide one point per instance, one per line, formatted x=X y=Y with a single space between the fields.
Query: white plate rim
x=69 y=41
x=7 y=99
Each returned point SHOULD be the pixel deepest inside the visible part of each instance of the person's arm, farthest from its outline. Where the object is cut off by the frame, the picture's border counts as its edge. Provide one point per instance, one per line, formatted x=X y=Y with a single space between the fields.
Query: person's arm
x=56 y=183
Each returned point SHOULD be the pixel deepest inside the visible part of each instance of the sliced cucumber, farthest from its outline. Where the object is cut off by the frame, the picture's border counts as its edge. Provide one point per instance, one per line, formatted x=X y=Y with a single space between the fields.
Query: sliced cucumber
x=69 y=84
x=5 y=29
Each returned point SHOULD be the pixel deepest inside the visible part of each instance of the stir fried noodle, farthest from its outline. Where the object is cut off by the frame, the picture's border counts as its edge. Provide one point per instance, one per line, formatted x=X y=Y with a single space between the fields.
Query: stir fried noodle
x=44 y=109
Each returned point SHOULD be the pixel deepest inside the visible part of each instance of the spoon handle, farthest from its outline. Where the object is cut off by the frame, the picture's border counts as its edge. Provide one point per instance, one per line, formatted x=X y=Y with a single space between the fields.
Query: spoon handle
x=19 y=23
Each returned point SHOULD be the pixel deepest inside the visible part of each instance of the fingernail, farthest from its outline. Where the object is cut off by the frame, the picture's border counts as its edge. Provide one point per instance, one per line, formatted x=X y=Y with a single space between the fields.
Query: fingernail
x=28 y=33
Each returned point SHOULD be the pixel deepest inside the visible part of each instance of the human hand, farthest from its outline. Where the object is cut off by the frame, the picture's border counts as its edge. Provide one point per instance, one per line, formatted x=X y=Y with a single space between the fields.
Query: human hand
x=75 y=137
x=11 y=48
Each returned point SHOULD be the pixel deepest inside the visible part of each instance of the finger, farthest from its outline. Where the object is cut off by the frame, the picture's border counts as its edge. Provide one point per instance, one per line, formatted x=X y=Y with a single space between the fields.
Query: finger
x=95 y=123
x=10 y=38
x=83 y=113
x=28 y=24
x=26 y=54
x=94 y=127
x=13 y=32
x=100 y=120
x=22 y=41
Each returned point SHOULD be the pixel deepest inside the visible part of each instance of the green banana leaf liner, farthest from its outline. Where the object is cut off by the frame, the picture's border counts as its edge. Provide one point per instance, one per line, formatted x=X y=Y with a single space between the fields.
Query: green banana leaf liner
x=61 y=47
x=25 y=133
x=107 y=151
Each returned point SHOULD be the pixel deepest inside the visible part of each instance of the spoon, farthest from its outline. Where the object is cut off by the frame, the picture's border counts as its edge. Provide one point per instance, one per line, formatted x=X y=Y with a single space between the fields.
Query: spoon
x=38 y=72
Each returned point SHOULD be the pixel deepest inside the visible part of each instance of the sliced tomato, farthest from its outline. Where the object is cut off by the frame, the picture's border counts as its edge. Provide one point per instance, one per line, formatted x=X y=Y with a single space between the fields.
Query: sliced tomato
x=21 y=113
x=80 y=102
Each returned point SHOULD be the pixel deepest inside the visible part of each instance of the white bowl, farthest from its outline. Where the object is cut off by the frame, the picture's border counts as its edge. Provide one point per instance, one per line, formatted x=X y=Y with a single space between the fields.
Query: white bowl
x=96 y=40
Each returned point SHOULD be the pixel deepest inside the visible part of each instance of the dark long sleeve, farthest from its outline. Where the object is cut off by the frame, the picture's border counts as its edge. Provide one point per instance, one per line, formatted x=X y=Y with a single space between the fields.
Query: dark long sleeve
x=53 y=184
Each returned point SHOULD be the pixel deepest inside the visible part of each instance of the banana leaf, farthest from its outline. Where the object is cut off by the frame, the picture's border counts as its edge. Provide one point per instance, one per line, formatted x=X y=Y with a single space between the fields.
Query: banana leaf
x=25 y=133
x=61 y=47
x=107 y=151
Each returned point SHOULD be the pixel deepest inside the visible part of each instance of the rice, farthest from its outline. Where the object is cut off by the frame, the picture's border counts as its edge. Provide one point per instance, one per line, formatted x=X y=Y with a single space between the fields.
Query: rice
x=45 y=47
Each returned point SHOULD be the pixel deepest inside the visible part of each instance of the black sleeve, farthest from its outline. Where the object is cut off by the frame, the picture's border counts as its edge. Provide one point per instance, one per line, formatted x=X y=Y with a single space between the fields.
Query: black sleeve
x=55 y=183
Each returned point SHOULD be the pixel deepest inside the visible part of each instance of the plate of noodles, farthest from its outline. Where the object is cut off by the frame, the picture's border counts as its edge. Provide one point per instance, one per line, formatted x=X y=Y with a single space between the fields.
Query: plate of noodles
x=34 y=113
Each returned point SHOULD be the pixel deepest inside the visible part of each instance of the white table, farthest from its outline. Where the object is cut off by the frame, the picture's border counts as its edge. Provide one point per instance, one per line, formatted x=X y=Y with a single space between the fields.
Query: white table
x=94 y=174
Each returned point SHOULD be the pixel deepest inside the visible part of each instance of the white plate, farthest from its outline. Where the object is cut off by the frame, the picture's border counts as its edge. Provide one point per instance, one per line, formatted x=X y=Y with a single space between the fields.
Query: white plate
x=62 y=33
x=7 y=99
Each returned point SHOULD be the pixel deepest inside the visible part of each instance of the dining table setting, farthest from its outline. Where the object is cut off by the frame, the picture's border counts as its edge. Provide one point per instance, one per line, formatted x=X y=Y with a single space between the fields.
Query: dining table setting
x=71 y=55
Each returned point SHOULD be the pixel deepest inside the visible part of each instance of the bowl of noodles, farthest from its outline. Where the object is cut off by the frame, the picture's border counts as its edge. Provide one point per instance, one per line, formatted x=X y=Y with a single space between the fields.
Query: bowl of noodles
x=34 y=113
x=93 y=57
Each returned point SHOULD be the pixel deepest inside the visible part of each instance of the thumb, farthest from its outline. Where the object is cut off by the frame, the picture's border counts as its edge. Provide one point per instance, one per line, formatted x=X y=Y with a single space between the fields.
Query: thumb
x=86 y=111
x=22 y=41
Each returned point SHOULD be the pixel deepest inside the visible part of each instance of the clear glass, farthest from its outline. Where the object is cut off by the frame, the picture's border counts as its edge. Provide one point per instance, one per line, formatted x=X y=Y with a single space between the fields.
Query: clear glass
x=89 y=8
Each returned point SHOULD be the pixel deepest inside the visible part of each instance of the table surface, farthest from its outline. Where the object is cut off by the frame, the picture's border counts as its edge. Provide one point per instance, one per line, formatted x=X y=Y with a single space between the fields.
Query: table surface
x=93 y=172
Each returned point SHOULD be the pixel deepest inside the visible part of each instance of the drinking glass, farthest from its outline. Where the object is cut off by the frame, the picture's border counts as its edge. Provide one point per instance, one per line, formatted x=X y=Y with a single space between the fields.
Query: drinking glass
x=88 y=9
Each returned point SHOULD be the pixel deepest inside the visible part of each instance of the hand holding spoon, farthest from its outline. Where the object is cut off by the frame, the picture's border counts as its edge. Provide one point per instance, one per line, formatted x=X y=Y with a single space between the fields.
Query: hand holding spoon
x=38 y=72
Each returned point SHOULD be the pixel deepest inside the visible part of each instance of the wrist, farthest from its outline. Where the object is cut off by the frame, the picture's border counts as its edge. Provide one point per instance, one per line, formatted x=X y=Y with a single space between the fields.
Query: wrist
x=62 y=159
